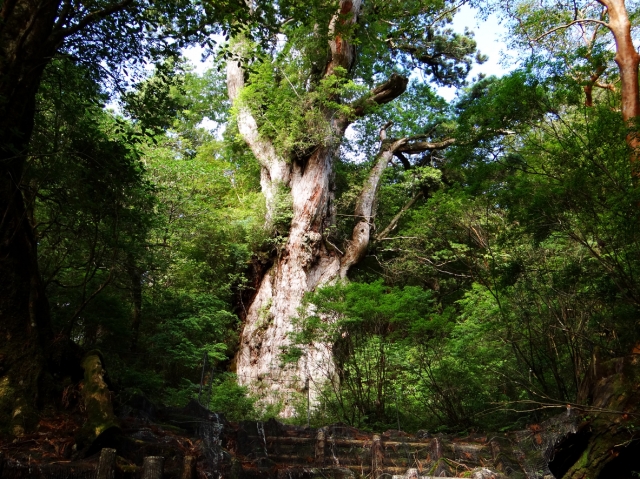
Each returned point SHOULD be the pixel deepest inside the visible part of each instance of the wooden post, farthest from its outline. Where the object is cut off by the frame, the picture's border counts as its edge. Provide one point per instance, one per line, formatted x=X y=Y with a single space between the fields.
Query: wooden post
x=320 y=448
x=188 y=468
x=412 y=474
x=377 y=456
x=436 y=455
x=153 y=467
x=107 y=464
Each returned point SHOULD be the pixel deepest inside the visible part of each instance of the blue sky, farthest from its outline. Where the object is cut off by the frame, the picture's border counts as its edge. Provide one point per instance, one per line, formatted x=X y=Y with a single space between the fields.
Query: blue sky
x=489 y=35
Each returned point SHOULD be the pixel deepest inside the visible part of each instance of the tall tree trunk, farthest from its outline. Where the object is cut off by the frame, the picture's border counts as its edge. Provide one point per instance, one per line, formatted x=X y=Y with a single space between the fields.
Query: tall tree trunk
x=308 y=259
x=305 y=262
x=31 y=31
x=25 y=330
x=628 y=60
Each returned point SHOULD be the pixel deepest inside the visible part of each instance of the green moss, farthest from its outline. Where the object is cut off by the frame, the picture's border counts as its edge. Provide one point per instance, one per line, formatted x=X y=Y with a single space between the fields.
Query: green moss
x=97 y=399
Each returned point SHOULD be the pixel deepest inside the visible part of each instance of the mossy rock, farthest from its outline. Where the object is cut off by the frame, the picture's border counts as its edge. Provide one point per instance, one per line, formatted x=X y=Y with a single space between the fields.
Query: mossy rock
x=97 y=400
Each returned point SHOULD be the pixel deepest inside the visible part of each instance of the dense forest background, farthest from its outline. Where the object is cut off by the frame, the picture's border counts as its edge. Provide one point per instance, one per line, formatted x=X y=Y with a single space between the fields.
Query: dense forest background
x=501 y=263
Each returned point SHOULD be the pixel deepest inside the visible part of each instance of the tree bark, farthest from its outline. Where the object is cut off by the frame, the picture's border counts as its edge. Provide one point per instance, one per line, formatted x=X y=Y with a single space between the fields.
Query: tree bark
x=628 y=60
x=366 y=205
x=308 y=259
x=25 y=26
x=153 y=467
x=615 y=398
x=188 y=467
x=107 y=464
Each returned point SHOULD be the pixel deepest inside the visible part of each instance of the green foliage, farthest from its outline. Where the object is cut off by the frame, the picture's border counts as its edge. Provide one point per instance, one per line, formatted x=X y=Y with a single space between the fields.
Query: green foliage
x=295 y=117
x=493 y=293
x=158 y=100
x=228 y=396
x=532 y=252
x=178 y=328
x=367 y=325
x=283 y=210
x=527 y=240
x=414 y=35
x=144 y=238
x=174 y=98
x=209 y=220
x=91 y=203
x=432 y=119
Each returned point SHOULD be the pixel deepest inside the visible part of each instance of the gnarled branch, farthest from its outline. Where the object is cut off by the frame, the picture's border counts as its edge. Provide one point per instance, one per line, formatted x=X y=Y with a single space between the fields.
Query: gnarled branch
x=366 y=203
x=383 y=93
x=275 y=171
x=422 y=146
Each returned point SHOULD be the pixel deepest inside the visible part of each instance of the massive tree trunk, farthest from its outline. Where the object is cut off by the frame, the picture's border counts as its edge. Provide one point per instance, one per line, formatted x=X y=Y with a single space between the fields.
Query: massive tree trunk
x=308 y=259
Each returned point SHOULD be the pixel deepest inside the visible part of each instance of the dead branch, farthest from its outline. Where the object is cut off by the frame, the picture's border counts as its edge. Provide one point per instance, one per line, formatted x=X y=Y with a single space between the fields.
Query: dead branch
x=382 y=236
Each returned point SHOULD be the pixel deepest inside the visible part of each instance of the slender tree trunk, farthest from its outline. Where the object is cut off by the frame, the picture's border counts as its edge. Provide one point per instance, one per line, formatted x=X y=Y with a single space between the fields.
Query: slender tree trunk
x=365 y=209
x=135 y=276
